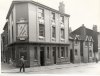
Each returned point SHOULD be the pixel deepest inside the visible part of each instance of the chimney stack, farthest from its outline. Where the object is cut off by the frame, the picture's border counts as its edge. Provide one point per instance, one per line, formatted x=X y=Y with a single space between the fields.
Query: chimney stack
x=62 y=7
x=95 y=28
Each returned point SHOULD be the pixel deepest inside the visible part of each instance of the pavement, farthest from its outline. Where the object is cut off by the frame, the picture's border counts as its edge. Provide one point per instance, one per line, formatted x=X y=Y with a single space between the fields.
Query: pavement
x=6 y=68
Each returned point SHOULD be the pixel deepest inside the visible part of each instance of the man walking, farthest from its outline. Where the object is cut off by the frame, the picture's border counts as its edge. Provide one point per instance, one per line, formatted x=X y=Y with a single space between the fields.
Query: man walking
x=22 y=64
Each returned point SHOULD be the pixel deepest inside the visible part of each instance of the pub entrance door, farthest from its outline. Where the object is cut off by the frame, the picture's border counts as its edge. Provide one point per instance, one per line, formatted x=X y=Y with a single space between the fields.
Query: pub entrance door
x=71 y=56
x=54 y=55
x=42 y=60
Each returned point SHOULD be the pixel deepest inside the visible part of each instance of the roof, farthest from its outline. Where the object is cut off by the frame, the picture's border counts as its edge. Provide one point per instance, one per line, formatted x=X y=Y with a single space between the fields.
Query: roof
x=82 y=32
x=35 y=3
x=74 y=37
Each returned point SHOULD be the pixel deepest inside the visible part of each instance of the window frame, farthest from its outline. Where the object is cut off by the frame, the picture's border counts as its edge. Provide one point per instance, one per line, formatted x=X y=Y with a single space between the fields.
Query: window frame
x=35 y=53
x=76 y=52
x=42 y=31
x=58 y=48
x=41 y=13
x=53 y=16
x=48 y=53
x=62 y=52
x=62 y=33
x=53 y=32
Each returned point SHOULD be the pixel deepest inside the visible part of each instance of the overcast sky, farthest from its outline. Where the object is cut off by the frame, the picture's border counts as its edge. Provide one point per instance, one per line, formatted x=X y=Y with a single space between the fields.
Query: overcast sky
x=81 y=11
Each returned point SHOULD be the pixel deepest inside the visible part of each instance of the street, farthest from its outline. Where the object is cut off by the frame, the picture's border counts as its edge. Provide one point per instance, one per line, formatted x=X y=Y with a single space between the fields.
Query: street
x=82 y=68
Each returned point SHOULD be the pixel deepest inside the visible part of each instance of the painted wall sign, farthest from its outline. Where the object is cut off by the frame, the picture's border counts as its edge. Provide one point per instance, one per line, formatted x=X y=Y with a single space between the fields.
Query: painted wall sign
x=22 y=30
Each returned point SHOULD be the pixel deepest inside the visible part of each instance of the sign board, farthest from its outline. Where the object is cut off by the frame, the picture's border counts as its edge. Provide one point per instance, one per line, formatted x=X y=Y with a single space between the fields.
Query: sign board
x=22 y=30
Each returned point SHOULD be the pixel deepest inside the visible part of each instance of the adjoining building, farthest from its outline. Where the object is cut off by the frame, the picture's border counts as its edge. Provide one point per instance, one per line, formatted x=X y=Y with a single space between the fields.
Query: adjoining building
x=82 y=45
x=99 y=46
x=75 y=41
x=4 y=42
x=37 y=32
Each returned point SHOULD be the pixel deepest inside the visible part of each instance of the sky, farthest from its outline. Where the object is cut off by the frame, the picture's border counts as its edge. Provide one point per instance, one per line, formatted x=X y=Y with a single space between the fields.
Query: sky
x=85 y=12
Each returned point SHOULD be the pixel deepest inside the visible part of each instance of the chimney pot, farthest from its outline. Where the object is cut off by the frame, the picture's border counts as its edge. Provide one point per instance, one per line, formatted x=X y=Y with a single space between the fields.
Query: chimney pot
x=62 y=7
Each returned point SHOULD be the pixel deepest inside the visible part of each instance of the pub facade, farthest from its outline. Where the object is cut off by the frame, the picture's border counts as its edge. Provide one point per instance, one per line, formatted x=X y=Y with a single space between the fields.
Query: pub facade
x=37 y=32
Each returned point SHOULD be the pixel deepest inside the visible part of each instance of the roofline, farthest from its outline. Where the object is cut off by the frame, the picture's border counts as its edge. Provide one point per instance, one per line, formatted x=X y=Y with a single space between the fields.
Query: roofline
x=5 y=25
x=35 y=3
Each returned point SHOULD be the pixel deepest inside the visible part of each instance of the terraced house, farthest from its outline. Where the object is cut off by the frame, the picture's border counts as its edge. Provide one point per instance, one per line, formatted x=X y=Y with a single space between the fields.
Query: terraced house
x=83 y=44
x=37 y=32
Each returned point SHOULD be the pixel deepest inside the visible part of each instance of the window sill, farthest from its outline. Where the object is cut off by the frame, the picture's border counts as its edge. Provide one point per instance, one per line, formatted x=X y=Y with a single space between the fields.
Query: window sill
x=86 y=46
x=41 y=37
x=35 y=60
x=62 y=40
x=90 y=46
x=53 y=39
x=62 y=57
x=62 y=26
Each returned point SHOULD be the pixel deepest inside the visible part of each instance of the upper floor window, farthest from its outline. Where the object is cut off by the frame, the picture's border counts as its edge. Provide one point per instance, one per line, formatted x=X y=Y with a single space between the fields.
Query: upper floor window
x=53 y=16
x=41 y=30
x=62 y=33
x=53 y=32
x=12 y=16
x=90 y=43
x=76 y=42
x=12 y=33
x=86 y=43
x=62 y=19
x=41 y=13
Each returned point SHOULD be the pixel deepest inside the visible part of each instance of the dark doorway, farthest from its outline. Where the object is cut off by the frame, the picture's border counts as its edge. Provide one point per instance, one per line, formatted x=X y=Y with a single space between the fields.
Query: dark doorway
x=71 y=56
x=42 y=63
x=81 y=52
x=54 y=54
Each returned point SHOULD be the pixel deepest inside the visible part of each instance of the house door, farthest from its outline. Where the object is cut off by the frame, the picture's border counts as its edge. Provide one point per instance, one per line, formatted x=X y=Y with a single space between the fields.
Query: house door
x=42 y=62
x=71 y=56
x=54 y=55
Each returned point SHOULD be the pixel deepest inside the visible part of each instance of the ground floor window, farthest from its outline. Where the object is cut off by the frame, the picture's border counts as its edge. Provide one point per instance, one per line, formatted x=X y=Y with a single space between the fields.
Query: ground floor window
x=58 y=52
x=48 y=52
x=67 y=51
x=62 y=52
x=13 y=53
x=90 y=53
x=35 y=53
x=76 y=53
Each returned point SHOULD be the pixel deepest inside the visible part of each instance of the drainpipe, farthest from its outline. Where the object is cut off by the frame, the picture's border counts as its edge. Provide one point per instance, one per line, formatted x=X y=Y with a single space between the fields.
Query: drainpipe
x=88 y=51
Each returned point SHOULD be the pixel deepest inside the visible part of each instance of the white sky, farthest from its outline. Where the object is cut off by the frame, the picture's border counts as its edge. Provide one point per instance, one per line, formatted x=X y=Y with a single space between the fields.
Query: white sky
x=81 y=11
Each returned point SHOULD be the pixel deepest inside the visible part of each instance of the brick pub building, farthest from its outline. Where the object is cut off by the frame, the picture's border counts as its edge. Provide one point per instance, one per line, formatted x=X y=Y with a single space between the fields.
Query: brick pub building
x=37 y=32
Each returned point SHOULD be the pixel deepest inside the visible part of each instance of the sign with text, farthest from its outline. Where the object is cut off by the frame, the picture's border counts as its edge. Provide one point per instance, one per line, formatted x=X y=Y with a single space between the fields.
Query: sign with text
x=22 y=31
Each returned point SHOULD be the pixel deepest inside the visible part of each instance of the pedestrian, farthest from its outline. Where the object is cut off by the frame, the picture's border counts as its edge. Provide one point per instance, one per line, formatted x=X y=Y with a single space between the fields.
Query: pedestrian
x=10 y=61
x=22 y=64
x=4 y=60
x=96 y=60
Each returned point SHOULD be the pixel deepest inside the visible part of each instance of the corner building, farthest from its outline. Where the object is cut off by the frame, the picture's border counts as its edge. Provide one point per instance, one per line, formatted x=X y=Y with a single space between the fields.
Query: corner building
x=37 y=32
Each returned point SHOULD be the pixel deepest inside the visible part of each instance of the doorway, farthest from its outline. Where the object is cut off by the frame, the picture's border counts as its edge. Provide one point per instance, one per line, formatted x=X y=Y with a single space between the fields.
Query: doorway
x=54 y=55
x=42 y=62
x=71 y=56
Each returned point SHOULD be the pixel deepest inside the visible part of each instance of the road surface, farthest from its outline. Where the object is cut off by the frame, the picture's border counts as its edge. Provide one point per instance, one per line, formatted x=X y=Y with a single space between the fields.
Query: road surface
x=82 y=68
